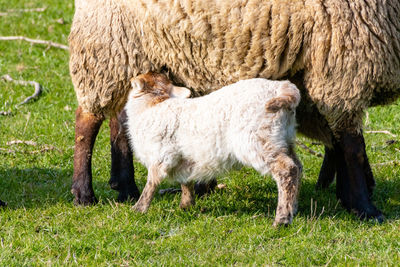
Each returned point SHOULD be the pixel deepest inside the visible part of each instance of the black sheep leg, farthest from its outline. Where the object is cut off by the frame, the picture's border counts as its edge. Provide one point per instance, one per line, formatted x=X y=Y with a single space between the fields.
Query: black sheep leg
x=328 y=169
x=352 y=181
x=122 y=171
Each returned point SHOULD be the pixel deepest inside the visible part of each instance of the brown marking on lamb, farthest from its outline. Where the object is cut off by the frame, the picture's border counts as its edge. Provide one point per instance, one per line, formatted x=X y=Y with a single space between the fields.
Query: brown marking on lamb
x=158 y=86
x=154 y=177
x=288 y=99
x=286 y=172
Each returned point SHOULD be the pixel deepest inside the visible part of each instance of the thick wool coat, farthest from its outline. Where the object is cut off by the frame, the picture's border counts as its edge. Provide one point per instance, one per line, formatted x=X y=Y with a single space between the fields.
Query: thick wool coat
x=344 y=55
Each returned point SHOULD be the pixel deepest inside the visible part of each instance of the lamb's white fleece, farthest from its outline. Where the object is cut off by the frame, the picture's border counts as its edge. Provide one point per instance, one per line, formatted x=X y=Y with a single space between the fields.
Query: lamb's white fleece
x=193 y=139
x=212 y=133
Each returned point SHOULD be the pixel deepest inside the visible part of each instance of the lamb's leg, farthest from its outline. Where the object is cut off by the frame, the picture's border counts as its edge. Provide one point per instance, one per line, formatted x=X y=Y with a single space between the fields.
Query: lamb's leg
x=87 y=126
x=354 y=176
x=122 y=171
x=155 y=175
x=286 y=172
x=187 y=198
x=328 y=169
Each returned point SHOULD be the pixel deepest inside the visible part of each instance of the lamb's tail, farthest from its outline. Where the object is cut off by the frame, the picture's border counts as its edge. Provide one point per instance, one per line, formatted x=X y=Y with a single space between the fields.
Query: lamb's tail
x=288 y=98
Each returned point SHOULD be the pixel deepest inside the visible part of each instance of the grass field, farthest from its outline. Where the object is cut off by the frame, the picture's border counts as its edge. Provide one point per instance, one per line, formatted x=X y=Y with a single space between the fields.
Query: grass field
x=232 y=226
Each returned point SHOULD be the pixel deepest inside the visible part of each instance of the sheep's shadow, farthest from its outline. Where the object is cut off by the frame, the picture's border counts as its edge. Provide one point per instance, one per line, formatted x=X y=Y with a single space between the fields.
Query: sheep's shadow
x=38 y=187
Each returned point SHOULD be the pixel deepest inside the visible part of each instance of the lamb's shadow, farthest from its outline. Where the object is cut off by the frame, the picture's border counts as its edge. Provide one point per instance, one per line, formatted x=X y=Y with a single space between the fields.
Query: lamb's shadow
x=38 y=187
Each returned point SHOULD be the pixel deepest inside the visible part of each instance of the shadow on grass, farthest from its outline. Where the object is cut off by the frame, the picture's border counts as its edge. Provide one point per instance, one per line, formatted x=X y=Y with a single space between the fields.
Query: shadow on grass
x=261 y=198
x=37 y=187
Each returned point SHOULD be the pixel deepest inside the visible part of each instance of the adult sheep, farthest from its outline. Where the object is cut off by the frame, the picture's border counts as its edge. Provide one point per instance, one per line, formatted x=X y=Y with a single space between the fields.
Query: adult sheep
x=343 y=55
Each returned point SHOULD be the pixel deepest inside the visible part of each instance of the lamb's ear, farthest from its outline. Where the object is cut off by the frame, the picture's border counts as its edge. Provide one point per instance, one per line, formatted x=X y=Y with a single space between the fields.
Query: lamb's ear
x=137 y=84
x=180 y=92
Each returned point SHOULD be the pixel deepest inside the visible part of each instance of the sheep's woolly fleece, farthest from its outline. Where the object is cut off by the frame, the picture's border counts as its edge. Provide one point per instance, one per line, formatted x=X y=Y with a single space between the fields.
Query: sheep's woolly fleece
x=346 y=52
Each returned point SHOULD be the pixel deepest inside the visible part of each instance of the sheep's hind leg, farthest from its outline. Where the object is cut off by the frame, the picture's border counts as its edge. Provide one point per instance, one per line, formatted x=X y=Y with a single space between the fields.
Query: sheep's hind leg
x=286 y=172
x=122 y=171
x=87 y=126
x=354 y=177
x=187 y=198
x=203 y=188
x=155 y=175
x=328 y=169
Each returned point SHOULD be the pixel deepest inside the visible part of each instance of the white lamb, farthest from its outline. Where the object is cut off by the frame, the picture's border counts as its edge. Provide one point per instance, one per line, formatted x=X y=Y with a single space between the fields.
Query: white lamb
x=251 y=122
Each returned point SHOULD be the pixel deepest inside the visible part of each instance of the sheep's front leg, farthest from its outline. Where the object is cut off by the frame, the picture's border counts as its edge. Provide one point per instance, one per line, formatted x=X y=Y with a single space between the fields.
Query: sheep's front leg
x=122 y=171
x=87 y=126
x=155 y=175
x=187 y=198
x=286 y=172
x=354 y=177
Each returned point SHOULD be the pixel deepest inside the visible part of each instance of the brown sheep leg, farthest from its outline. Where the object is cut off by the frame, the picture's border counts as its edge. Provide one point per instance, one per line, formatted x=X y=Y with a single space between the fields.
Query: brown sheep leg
x=122 y=171
x=286 y=173
x=354 y=176
x=87 y=126
x=187 y=199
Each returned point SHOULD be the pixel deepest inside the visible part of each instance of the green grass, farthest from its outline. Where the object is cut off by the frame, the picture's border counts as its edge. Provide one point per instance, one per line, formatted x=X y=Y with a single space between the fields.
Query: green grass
x=233 y=226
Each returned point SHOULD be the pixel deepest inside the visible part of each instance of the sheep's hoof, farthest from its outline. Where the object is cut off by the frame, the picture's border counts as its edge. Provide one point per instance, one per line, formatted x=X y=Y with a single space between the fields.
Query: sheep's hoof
x=363 y=209
x=130 y=194
x=376 y=215
x=83 y=199
x=3 y=204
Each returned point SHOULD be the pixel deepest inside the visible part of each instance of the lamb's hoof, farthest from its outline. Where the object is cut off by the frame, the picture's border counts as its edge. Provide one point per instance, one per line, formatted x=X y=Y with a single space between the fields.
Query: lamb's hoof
x=186 y=205
x=282 y=221
x=139 y=208
x=86 y=199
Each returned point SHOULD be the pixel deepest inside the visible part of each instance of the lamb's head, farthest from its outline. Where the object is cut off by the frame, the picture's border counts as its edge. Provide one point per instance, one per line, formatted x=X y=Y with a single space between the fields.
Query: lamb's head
x=156 y=88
